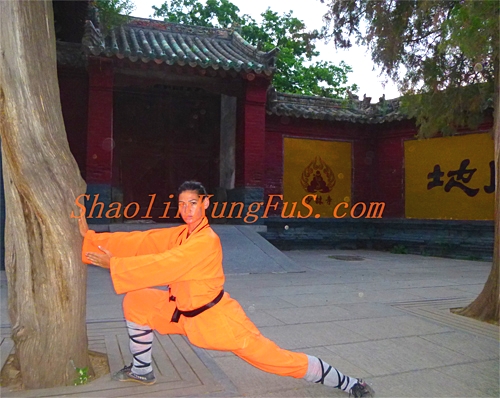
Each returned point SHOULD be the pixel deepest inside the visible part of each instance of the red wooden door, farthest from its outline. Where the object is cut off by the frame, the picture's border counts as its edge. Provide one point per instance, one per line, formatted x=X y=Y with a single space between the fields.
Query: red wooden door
x=163 y=139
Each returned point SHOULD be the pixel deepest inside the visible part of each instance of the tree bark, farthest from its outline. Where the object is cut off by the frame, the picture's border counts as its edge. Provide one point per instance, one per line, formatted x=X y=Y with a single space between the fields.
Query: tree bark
x=486 y=306
x=46 y=279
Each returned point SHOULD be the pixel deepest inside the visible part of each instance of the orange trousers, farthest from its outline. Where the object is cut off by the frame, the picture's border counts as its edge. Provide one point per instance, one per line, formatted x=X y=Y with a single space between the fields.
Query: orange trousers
x=223 y=327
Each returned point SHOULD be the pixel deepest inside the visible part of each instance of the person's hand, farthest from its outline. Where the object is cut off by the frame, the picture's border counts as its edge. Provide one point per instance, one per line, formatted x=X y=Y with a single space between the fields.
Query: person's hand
x=100 y=259
x=84 y=227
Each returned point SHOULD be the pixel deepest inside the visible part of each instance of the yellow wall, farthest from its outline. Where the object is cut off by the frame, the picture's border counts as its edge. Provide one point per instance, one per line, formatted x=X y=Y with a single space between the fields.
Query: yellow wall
x=303 y=158
x=427 y=201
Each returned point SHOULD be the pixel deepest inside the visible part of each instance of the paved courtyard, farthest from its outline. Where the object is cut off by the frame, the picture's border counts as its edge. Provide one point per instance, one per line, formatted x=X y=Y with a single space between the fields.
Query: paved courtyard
x=379 y=316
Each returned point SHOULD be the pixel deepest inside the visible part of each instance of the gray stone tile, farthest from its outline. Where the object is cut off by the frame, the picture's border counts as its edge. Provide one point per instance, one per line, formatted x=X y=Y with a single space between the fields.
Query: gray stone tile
x=397 y=355
x=310 y=300
x=104 y=312
x=474 y=289
x=256 y=303
x=312 y=390
x=218 y=354
x=396 y=326
x=365 y=294
x=472 y=279
x=265 y=258
x=405 y=283
x=4 y=310
x=347 y=276
x=370 y=310
x=332 y=312
x=474 y=346
x=400 y=354
x=262 y=318
x=310 y=335
x=481 y=375
x=250 y=380
x=309 y=314
x=437 y=292
x=264 y=285
x=345 y=270
x=423 y=384
x=297 y=290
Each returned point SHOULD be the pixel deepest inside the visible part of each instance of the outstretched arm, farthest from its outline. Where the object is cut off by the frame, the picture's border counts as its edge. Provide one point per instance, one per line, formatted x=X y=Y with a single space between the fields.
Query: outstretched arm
x=126 y=244
x=200 y=257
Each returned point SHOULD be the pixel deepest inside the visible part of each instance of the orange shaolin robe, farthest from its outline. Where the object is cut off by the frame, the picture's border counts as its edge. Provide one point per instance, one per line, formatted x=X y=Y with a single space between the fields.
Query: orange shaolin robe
x=192 y=267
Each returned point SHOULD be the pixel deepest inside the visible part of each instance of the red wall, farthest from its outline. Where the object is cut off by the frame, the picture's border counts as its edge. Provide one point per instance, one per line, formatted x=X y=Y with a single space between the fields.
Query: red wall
x=251 y=135
x=388 y=181
x=279 y=127
x=377 y=156
x=74 y=88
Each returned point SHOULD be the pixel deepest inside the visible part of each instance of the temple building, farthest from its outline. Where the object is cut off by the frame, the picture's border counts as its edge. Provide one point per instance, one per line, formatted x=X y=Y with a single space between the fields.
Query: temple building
x=150 y=104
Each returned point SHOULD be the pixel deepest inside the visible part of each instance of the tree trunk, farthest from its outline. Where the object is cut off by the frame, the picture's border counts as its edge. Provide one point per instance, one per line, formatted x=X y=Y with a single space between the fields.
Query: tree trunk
x=46 y=279
x=486 y=306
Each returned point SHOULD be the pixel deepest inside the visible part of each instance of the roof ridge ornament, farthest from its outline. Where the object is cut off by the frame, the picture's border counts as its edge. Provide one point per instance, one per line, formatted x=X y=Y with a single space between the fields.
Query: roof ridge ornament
x=174 y=27
x=92 y=40
x=351 y=109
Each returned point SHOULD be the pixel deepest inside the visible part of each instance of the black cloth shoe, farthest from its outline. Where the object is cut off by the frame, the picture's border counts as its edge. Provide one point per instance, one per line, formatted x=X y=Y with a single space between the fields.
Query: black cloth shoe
x=361 y=389
x=126 y=374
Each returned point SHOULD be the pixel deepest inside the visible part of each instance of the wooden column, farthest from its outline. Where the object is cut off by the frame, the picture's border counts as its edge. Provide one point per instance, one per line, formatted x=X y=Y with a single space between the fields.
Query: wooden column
x=251 y=139
x=250 y=145
x=100 y=122
x=100 y=143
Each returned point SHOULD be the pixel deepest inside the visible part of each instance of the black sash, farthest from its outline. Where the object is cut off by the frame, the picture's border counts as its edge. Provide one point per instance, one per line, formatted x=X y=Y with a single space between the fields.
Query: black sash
x=177 y=313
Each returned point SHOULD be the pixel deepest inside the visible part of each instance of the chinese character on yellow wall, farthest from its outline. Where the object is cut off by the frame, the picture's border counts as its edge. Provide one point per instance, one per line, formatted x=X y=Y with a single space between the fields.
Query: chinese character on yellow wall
x=450 y=178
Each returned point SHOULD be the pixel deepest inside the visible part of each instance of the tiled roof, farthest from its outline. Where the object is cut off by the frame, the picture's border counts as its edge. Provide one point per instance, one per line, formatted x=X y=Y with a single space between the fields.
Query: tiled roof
x=156 y=41
x=350 y=110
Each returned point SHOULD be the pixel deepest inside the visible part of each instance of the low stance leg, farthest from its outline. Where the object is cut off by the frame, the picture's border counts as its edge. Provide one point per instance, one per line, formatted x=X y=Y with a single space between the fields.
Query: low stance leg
x=140 y=344
x=145 y=310
x=266 y=355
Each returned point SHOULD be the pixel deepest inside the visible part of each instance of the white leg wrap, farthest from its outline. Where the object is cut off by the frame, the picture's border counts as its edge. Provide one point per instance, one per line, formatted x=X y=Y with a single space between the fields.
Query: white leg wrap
x=141 y=341
x=319 y=371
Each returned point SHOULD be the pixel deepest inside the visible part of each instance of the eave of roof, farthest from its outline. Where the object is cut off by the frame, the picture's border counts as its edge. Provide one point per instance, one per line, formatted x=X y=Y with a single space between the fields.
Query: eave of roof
x=162 y=42
x=350 y=110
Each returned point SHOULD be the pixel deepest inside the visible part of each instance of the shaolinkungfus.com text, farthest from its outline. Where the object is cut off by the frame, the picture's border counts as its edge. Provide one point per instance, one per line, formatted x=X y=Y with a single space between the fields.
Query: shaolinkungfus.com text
x=230 y=210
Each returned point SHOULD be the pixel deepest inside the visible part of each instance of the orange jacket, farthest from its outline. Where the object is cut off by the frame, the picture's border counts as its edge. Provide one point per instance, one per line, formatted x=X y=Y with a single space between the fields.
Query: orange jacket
x=190 y=265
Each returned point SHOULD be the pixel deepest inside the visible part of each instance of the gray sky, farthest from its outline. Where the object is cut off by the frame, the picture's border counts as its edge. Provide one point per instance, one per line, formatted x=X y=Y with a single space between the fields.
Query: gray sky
x=311 y=12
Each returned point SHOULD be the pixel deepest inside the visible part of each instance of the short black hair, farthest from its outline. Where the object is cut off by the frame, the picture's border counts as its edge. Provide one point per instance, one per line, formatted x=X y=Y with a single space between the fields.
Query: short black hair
x=192 y=186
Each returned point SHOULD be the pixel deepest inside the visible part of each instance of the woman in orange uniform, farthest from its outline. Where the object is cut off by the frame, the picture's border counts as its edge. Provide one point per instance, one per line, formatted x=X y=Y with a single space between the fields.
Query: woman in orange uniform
x=188 y=259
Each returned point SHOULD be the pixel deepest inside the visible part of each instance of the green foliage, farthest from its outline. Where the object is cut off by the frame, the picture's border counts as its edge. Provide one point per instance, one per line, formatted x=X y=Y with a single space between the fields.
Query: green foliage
x=113 y=12
x=191 y=12
x=296 y=70
x=443 y=53
x=82 y=376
